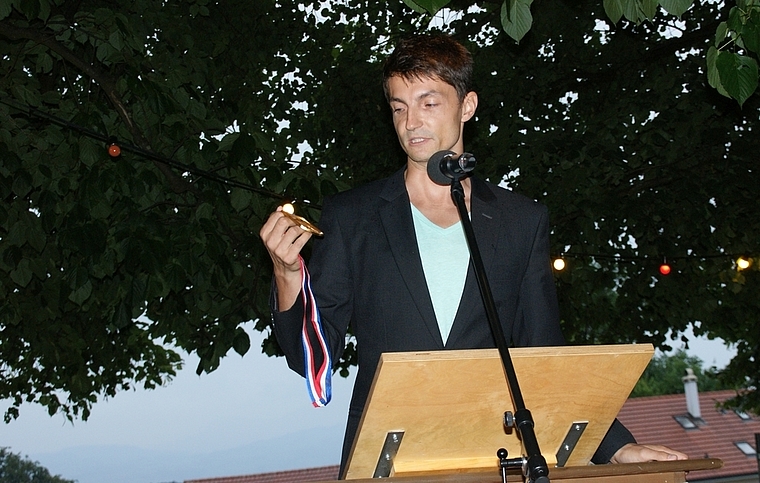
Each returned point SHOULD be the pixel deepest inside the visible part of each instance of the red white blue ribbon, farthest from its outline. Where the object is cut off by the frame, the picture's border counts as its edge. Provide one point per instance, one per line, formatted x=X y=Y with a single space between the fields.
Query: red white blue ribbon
x=316 y=354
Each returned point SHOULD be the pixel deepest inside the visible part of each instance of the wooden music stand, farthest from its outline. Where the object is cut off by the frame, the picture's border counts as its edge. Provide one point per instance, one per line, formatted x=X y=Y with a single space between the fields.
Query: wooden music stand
x=447 y=407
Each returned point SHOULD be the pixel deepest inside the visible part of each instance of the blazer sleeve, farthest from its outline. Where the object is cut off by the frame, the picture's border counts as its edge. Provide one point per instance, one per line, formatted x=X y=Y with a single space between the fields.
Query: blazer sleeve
x=328 y=269
x=287 y=331
x=617 y=437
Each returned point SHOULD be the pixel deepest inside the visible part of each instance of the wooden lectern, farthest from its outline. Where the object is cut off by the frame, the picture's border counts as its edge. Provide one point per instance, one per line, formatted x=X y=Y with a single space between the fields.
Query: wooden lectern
x=439 y=416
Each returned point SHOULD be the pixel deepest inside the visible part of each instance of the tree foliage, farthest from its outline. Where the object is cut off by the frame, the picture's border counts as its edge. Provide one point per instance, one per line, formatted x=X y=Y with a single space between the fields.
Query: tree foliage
x=15 y=469
x=664 y=375
x=731 y=63
x=221 y=111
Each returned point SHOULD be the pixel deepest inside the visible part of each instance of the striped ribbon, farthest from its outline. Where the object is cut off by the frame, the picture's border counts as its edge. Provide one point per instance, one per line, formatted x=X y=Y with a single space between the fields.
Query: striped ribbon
x=316 y=354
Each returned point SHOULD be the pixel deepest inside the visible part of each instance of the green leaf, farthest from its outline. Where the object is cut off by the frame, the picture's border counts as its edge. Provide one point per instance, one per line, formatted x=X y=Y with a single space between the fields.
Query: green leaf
x=196 y=109
x=5 y=8
x=228 y=141
x=439 y=4
x=44 y=10
x=713 y=77
x=101 y=210
x=34 y=233
x=241 y=343
x=240 y=199
x=720 y=33
x=516 y=18
x=263 y=142
x=676 y=7
x=105 y=53
x=22 y=185
x=204 y=211
x=431 y=6
x=614 y=10
x=22 y=275
x=649 y=8
x=44 y=63
x=90 y=152
x=81 y=294
x=751 y=30
x=116 y=40
x=632 y=11
x=738 y=75
x=30 y=8
x=27 y=95
x=415 y=6
x=735 y=20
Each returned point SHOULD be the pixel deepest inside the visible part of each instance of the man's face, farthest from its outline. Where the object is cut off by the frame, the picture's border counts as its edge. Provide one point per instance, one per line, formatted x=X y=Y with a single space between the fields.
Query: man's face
x=428 y=116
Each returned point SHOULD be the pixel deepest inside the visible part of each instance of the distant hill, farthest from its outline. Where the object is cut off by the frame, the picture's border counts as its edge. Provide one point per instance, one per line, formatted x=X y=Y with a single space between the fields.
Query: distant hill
x=126 y=464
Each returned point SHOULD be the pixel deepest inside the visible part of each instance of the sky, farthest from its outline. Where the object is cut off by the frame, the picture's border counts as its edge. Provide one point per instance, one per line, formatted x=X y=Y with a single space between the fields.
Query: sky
x=252 y=415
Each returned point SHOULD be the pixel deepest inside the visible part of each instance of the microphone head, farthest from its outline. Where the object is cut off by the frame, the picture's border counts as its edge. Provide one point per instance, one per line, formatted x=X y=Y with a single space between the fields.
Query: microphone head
x=434 y=167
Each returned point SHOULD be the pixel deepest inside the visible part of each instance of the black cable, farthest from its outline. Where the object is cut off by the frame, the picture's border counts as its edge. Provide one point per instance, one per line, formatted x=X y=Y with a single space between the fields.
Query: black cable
x=660 y=258
x=145 y=153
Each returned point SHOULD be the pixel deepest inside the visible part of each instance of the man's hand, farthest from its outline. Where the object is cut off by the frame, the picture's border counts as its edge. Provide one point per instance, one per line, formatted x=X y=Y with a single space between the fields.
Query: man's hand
x=284 y=240
x=640 y=453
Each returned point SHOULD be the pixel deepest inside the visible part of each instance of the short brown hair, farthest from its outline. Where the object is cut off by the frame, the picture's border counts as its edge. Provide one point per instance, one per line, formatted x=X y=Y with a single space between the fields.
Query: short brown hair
x=434 y=56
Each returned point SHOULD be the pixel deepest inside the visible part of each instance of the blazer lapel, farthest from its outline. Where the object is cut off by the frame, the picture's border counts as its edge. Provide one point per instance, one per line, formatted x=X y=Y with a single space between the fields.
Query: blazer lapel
x=396 y=217
x=485 y=215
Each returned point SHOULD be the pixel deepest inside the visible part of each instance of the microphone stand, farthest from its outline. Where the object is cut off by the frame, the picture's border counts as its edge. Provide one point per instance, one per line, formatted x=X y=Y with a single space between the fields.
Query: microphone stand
x=534 y=465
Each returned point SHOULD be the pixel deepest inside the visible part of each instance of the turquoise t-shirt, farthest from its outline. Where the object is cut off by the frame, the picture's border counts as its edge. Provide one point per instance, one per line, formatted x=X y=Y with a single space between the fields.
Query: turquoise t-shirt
x=445 y=259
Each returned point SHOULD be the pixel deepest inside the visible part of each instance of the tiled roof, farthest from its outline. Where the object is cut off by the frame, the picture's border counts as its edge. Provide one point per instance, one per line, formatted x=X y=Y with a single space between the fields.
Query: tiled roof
x=652 y=420
x=322 y=473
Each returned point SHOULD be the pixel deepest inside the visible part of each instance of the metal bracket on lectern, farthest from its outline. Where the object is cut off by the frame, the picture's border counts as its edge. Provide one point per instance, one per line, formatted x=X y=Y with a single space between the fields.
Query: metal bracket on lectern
x=571 y=439
x=390 y=448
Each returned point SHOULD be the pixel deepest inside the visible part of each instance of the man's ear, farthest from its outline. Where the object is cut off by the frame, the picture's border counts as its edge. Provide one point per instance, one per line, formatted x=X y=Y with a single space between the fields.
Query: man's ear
x=469 y=104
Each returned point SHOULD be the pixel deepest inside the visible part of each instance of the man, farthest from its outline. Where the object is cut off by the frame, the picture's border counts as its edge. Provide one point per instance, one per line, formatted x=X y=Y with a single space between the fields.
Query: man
x=379 y=267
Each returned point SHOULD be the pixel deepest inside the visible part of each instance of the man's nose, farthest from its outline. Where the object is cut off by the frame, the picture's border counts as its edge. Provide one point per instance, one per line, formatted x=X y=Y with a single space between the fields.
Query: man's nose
x=413 y=120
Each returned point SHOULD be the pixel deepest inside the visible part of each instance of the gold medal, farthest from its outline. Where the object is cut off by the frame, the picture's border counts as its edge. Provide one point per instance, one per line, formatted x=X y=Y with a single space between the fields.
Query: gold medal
x=289 y=211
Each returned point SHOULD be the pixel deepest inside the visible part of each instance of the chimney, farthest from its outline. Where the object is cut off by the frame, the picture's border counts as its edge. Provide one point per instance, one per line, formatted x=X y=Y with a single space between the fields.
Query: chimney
x=692 y=395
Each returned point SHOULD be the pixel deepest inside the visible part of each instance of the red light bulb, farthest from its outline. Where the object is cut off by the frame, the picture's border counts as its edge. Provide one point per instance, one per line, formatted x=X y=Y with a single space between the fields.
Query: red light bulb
x=665 y=269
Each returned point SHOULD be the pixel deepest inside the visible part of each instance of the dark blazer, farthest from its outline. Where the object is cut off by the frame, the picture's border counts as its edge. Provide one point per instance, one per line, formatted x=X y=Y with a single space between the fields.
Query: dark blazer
x=367 y=273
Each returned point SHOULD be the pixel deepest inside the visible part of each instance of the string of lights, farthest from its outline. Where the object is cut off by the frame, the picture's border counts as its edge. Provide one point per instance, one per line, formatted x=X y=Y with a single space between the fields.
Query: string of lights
x=114 y=147
x=741 y=262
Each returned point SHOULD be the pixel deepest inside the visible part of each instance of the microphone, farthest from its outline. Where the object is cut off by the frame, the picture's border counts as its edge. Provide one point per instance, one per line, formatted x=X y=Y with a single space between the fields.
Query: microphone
x=445 y=166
